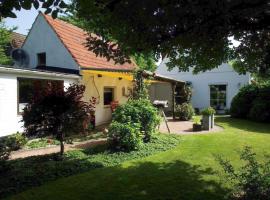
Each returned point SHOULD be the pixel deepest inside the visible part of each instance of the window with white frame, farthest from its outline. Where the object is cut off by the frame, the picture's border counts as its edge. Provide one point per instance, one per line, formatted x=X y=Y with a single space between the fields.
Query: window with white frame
x=218 y=96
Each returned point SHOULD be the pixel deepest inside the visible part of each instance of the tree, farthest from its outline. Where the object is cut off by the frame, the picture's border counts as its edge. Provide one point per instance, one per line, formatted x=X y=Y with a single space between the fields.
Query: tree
x=5 y=37
x=192 y=34
x=57 y=112
x=145 y=62
x=7 y=7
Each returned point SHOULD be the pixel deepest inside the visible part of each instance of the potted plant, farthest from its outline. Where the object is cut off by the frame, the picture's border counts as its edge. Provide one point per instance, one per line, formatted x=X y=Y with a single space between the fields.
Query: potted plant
x=197 y=124
x=208 y=118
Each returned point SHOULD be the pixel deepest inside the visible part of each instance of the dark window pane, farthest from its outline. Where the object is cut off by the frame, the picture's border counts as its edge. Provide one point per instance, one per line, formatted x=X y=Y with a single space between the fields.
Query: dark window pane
x=41 y=57
x=108 y=96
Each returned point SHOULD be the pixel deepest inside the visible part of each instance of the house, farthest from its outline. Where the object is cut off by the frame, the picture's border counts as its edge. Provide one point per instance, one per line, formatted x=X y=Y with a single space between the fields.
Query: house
x=214 y=88
x=56 y=52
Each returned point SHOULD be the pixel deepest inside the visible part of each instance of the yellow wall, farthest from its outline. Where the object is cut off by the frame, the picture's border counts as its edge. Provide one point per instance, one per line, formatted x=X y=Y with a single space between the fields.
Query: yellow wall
x=94 y=88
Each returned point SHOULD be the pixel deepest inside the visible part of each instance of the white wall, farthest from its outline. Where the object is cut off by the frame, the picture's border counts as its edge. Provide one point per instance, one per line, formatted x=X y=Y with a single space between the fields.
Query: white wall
x=9 y=117
x=224 y=74
x=42 y=38
x=95 y=87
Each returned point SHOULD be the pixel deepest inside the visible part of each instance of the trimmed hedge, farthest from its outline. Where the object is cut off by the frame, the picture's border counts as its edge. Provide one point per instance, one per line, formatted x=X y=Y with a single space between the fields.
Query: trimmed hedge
x=253 y=102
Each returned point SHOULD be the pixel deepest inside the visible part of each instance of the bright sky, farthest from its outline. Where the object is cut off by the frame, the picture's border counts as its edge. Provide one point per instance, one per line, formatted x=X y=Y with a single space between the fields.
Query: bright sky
x=23 y=22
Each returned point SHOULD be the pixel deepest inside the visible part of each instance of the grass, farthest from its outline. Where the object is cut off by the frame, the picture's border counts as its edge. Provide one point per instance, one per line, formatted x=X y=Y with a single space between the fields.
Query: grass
x=34 y=171
x=189 y=171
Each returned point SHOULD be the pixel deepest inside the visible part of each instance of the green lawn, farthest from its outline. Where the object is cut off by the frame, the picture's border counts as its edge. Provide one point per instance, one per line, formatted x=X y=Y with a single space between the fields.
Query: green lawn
x=188 y=171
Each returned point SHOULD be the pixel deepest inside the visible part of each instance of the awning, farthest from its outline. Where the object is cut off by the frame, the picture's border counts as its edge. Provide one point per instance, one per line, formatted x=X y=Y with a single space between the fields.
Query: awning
x=124 y=75
x=128 y=75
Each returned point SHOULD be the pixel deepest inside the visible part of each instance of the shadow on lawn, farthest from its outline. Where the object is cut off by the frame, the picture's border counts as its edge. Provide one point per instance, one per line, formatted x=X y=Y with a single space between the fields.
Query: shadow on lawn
x=25 y=173
x=143 y=180
x=244 y=124
x=177 y=180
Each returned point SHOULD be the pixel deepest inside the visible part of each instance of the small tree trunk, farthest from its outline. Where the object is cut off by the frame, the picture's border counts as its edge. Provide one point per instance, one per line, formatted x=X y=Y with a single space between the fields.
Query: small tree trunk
x=62 y=147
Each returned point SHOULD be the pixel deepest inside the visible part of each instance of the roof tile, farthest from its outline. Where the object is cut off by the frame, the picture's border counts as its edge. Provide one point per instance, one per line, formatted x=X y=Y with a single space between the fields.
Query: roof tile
x=74 y=39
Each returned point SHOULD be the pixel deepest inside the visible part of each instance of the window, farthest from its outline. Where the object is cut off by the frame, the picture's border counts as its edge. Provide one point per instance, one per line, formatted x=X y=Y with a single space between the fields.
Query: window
x=177 y=94
x=108 y=95
x=218 y=96
x=31 y=88
x=41 y=59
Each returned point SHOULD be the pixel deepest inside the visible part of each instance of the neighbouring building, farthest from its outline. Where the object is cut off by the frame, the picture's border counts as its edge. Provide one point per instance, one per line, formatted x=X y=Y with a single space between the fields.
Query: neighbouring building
x=55 y=51
x=214 y=88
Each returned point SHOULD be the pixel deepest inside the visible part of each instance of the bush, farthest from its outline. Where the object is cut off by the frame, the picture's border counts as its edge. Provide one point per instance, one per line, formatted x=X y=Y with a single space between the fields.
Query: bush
x=260 y=111
x=252 y=102
x=124 y=136
x=4 y=154
x=242 y=102
x=185 y=111
x=251 y=181
x=16 y=141
x=208 y=111
x=140 y=112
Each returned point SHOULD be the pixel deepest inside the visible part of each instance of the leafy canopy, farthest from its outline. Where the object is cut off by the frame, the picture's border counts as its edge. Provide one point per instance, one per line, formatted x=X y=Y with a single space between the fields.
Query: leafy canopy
x=192 y=34
x=8 y=7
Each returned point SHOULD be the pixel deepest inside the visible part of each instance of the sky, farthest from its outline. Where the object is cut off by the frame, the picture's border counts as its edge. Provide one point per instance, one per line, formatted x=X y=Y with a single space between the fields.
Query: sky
x=23 y=22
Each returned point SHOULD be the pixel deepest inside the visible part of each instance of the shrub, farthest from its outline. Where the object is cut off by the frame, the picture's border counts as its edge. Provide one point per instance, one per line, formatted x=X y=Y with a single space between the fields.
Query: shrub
x=124 y=136
x=185 y=111
x=242 y=102
x=251 y=181
x=4 y=154
x=16 y=141
x=260 y=111
x=208 y=111
x=140 y=112
x=252 y=102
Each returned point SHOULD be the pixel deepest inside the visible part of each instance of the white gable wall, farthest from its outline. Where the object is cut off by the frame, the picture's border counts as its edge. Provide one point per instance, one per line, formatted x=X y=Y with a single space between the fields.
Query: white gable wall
x=224 y=74
x=42 y=38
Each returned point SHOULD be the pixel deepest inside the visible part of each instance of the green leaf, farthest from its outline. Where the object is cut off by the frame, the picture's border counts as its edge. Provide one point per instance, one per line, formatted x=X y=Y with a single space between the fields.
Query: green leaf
x=62 y=4
x=36 y=4
x=54 y=14
x=26 y=4
x=48 y=11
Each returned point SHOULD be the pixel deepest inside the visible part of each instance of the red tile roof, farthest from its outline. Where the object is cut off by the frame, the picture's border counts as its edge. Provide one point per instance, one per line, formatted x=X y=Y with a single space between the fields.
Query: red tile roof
x=74 y=39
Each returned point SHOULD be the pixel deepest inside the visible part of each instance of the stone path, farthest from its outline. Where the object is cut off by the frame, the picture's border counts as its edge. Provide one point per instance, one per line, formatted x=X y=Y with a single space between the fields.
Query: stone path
x=184 y=127
x=54 y=149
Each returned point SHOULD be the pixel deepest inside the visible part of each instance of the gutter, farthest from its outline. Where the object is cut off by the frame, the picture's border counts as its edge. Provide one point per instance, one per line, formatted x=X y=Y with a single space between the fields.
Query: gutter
x=13 y=70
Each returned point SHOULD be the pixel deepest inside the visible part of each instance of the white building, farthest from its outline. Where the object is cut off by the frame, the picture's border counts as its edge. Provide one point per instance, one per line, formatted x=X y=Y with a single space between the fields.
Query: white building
x=214 y=88
x=56 y=51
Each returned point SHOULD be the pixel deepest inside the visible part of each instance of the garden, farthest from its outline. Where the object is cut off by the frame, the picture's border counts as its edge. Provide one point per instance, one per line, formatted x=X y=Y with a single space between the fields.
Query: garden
x=136 y=162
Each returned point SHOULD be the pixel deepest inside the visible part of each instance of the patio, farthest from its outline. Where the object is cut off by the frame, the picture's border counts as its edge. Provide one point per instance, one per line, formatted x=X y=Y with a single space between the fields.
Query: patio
x=183 y=127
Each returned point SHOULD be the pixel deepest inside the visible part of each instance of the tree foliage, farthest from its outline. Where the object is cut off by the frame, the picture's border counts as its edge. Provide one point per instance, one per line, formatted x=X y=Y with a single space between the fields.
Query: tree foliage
x=8 y=7
x=57 y=112
x=5 y=37
x=192 y=34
